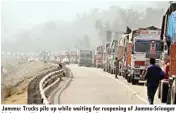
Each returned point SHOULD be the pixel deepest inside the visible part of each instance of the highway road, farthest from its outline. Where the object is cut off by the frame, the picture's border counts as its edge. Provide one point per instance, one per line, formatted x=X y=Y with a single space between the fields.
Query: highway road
x=94 y=86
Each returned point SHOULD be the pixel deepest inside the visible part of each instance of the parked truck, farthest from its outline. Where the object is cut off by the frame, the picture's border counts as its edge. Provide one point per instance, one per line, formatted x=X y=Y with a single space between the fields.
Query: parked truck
x=85 y=58
x=145 y=43
x=121 y=51
x=93 y=58
x=106 y=54
x=99 y=56
x=167 y=87
x=113 y=55
x=124 y=54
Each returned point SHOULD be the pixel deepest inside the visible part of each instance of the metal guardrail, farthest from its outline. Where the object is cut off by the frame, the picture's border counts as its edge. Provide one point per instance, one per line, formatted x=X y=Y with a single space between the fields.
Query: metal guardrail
x=42 y=85
x=48 y=82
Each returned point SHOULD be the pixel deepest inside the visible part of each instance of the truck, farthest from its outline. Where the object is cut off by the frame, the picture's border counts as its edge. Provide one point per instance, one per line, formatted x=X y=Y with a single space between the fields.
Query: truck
x=93 y=58
x=121 y=51
x=126 y=60
x=106 y=54
x=167 y=87
x=85 y=58
x=113 y=55
x=99 y=56
x=145 y=44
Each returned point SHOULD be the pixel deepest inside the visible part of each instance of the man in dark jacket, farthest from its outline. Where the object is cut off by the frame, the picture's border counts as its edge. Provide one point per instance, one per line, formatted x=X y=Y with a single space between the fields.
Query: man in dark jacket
x=116 y=64
x=153 y=76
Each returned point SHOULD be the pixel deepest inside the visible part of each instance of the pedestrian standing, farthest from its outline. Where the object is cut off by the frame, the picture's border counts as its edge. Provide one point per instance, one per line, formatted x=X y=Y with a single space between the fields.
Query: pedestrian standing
x=116 y=64
x=153 y=76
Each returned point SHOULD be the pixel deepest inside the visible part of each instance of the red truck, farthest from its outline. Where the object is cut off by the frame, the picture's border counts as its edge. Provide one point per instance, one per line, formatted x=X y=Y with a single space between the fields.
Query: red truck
x=167 y=88
x=99 y=56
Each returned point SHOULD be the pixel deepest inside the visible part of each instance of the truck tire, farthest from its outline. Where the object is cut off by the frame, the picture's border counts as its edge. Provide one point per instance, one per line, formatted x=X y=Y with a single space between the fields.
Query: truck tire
x=104 y=69
x=173 y=93
x=120 y=74
x=108 y=70
x=112 y=71
x=159 y=90
x=134 y=82
x=128 y=79
x=164 y=92
x=125 y=75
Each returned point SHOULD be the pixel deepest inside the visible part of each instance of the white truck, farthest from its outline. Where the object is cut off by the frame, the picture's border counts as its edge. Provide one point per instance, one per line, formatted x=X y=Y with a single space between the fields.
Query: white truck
x=146 y=44
x=85 y=58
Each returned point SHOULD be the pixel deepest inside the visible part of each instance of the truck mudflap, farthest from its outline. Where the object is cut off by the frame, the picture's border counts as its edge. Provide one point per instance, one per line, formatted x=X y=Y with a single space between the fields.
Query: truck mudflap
x=135 y=79
x=163 y=90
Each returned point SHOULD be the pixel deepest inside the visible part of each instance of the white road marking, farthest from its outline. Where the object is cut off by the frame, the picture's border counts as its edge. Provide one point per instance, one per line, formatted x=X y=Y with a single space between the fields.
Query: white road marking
x=135 y=94
x=129 y=89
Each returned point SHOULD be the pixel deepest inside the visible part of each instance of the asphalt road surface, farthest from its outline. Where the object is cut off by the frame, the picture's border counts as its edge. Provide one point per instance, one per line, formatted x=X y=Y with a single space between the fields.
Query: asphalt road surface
x=94 y=86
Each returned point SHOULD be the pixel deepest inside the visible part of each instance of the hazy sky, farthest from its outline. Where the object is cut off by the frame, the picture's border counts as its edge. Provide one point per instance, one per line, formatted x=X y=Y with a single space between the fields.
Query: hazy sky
x=21 y=15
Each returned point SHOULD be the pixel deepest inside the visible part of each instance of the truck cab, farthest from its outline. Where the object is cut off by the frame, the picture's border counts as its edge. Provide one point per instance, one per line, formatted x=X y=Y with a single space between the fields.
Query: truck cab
x=85 y=58
x=145 y=45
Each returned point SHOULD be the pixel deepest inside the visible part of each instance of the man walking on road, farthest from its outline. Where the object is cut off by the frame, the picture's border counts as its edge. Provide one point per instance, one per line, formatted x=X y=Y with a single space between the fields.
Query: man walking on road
x=153 y=76
x=116 y=64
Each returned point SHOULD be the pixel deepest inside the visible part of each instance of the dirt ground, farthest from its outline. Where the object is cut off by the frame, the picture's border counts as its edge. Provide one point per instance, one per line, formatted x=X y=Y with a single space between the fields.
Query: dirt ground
x=16 y=77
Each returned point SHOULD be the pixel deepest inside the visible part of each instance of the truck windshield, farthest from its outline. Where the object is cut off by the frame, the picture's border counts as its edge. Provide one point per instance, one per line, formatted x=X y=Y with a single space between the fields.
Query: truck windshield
x=82 y=55
x=142 y=46
x=88 y=55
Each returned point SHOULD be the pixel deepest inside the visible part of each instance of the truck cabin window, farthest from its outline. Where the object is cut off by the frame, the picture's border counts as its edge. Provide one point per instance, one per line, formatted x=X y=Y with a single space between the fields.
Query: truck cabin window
x=82 y=55
x=142 y=46
x=88 y=55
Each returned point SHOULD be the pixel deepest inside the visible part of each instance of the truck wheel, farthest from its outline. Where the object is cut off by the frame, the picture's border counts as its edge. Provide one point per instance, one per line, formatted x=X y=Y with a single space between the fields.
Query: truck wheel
x=126 y=76
x=159 y=90
x=112 y=71
x=108 y=70
x=120 y=74
x=128 y=79
x=123 y=74
x=173 y=93
x=134 y=82
x=163 y=92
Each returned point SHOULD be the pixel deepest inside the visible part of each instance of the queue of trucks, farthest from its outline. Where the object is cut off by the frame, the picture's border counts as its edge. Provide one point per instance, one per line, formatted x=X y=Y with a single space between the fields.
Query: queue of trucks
x=134 y=49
